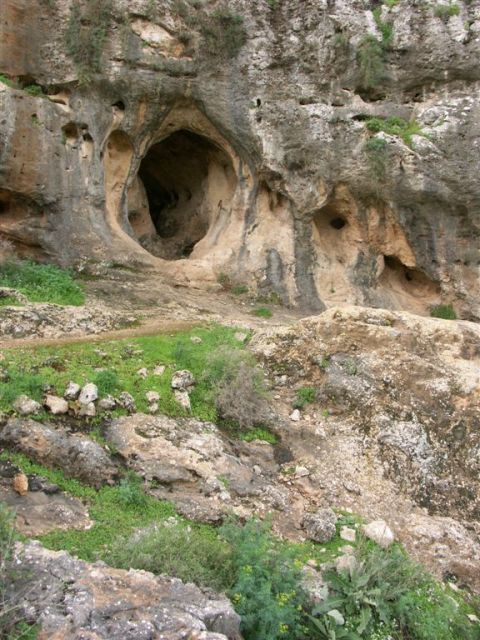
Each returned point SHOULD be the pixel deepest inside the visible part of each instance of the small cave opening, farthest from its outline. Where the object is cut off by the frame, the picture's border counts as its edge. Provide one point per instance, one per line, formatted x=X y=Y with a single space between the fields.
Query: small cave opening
x=329 y=220
x=184 y=183
x=409 y=280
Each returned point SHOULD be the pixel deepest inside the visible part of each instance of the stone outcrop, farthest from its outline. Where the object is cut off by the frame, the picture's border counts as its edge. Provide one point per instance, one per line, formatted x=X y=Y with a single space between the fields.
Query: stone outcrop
x=200 y=140
x=69 y=598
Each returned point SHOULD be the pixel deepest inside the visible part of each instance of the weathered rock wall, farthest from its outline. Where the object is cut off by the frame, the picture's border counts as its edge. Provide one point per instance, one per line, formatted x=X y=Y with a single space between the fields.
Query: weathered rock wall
x=296 y=195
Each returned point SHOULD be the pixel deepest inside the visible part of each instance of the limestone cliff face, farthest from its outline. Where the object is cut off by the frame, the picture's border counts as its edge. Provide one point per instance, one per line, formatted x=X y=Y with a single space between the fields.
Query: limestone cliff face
x=200 y=138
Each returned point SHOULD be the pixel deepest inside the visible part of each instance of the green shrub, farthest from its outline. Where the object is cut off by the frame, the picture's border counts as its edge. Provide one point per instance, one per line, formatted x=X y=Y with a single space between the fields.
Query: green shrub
x=20 y=383
x=371 y=61
x=395 y=126
x=193 y=554
x=304 y=396
x=42 y=282
x=34 y=90
x=445 y=11
x=444 y=311
x=376 y=149
x=259 y=434
x=7 y=81
x=131 y=493
x=267 y=590
x=107 y=382
x=239 y=289
x=263 y=312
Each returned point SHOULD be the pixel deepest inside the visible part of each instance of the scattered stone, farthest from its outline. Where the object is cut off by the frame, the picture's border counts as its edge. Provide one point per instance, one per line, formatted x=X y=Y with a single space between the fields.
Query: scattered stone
x=127 y=401
x=183 y=399
x=379 y=532
x=196 y=339
x=352 y=487
x=88 y=410
x=153 y=408
x=295 y=416
x=348 y=534
x=159 y=370
x=143 y=372
x=320 y=526
x=241 y=336
x=182 y=380
x=56 y=406
x=7 y=469
x=107 y=404
x=25 y=406
x=4 y=375
x=89 y=393
x=72 y=391
x=20 y=484
x=152 y=396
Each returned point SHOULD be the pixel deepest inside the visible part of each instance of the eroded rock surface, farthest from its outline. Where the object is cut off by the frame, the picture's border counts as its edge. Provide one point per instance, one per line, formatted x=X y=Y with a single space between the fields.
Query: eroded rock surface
x=71 y=599
x=192 y=464
x=77 y=455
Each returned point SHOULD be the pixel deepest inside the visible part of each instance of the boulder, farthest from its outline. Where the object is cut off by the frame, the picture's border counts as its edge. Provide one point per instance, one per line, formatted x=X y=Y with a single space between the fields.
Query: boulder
x=379 y=532
x=127 y=401
x=114 y=604
x=89 y=393
x=182 y=380
x=320 y=526
x=72 y=391
x=25 y=406
x=56 y=405
x=78 y=456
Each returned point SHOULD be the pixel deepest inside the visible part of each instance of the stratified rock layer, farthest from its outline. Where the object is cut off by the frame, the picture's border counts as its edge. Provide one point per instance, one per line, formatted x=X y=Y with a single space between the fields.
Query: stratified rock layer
x=246 y=153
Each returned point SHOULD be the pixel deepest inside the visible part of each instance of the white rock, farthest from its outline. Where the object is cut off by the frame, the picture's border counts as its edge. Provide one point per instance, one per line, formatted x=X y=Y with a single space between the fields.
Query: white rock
x=89 y=393
x=379 y=532
x=348 y=534
x=301 y=472
x=56 y=405
x=196 y=339
x=88 y=410
x=26 y=406
x=183 y=399
x=241 y=336
x=72 y=391
x=159 y=370
x=295 y=416
x=182 y=380
x=152 y=396
x=143 y=372
x=153 y=408
x=346 y=562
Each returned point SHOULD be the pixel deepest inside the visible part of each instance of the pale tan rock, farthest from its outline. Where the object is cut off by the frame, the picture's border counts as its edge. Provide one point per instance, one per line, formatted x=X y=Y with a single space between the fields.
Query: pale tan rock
x=20 y=484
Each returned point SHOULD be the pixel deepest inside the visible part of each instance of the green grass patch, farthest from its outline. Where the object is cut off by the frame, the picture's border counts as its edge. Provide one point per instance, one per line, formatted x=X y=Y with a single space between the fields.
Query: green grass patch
x=445 y=11
x=444 y=311
x=113 y=366
x=42 y=282
x=259 y=434
x=10 y=301
x=304 y=396
x=395 y=126
x=262 y=312
x=240 y=290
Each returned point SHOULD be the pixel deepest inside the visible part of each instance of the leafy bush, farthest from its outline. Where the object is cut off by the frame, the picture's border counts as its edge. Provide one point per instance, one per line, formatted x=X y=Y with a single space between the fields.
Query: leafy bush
x=131 y=493
x=106 y=381
x=371 y=60
x=304 y=396
x=267 y=590
x=385 y=589
x=396 y=127
x=444 y=311
x=445 y=11
x=193 y=554
x=41 y=282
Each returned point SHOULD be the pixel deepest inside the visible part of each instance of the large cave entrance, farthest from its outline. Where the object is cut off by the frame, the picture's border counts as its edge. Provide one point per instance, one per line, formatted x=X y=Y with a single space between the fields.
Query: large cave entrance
x=184 y=183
